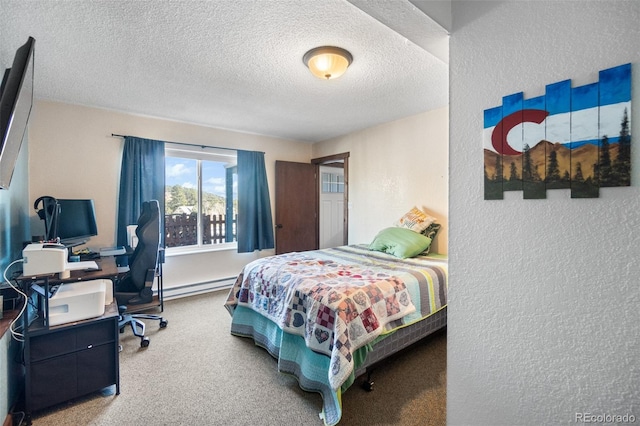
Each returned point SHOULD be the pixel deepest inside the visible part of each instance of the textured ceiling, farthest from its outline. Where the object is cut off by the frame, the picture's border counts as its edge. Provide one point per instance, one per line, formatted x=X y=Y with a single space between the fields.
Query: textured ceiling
x=234 y=64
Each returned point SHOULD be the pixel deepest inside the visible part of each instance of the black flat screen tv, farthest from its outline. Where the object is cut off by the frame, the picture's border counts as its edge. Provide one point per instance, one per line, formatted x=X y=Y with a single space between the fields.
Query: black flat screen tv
x=16 y=99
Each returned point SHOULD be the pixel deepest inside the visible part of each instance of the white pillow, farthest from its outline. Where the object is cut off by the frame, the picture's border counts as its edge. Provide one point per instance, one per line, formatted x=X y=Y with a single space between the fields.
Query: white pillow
x=416 y=220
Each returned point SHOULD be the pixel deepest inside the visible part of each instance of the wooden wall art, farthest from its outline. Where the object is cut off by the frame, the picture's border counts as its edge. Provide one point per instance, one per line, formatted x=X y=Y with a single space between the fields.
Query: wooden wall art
x=570 y=137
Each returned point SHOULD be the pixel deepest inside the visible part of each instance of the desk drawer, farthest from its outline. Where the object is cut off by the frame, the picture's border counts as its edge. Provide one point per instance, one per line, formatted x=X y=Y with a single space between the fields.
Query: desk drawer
x=72 y=339
x=98 y=333
x=52 y=344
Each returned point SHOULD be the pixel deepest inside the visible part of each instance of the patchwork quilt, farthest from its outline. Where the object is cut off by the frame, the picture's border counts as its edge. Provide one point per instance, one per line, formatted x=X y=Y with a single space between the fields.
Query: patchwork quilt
x=340 y=299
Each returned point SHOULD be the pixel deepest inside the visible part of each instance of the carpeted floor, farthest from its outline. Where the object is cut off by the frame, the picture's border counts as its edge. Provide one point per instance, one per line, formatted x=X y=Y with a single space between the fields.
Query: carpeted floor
x=195 y=373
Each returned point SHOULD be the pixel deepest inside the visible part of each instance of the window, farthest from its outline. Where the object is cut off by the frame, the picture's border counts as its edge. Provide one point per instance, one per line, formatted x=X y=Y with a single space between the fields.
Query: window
x=332 y=182
x=201 y=197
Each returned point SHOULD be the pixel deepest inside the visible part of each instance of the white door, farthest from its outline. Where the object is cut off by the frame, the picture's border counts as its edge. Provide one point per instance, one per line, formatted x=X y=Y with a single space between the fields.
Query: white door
x=331 y=206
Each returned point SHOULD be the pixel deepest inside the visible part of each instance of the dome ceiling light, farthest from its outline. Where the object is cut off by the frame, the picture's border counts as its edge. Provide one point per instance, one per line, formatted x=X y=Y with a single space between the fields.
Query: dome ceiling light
x=327 y=62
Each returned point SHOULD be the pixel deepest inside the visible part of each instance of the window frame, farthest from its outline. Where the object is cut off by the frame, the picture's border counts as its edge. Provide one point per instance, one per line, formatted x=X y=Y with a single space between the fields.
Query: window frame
x=200 y=154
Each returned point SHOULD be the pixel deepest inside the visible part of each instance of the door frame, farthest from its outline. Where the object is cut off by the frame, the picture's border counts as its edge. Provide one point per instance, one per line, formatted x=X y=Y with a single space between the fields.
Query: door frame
x=335 y=160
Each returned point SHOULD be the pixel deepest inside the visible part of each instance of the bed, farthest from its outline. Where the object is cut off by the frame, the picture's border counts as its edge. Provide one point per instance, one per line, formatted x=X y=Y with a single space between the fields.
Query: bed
x=327 y=315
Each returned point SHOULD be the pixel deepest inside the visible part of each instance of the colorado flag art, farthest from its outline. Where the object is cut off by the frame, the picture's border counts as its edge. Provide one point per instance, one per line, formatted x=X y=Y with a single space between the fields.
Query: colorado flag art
x=571 y=137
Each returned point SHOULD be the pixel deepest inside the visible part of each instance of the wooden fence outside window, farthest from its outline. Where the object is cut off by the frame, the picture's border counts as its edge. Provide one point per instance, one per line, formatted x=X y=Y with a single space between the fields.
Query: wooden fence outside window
x=182 y=229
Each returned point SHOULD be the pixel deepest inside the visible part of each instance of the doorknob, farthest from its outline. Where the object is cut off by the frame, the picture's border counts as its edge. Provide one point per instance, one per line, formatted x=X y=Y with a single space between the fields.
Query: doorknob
x=278 y=226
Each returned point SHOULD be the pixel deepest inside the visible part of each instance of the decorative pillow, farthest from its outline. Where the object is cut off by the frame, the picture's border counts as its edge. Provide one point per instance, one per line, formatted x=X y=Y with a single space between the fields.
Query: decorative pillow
x=431 y=230
x=430 y=233
x=400 y=242
x=416 y=220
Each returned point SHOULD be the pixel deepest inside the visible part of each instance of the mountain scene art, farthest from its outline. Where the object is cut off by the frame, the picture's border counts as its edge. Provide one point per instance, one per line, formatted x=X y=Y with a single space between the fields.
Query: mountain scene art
x=577 y=138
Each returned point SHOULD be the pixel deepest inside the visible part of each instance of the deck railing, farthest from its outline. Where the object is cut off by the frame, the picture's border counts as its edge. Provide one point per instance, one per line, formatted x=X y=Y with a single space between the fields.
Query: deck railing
x=182 y=229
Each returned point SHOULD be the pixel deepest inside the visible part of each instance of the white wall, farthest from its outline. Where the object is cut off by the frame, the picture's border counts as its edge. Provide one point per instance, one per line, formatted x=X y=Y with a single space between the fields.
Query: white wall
x=393 y=167
x=544 y=295
x=72 y=155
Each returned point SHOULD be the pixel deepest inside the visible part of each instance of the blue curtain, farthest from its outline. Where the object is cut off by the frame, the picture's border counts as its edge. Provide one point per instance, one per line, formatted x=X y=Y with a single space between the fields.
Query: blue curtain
x=255 y=225
x=141 y=179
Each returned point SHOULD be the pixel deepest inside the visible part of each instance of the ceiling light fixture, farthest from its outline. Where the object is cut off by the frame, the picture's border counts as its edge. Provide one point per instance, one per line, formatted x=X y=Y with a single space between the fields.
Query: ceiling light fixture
x=327 y=62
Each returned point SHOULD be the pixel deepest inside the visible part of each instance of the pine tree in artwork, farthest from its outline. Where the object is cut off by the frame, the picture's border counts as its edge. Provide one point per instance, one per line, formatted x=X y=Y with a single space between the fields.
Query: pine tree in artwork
x=622 y=164
x=553 y=170
x=528 y=173
x=513 y=173
x=498 y=176
x=578 y=177
x=604 y=165
x=493 y=181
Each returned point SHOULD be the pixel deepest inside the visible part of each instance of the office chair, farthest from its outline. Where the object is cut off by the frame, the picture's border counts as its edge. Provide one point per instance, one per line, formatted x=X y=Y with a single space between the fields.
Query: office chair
x=135 y=287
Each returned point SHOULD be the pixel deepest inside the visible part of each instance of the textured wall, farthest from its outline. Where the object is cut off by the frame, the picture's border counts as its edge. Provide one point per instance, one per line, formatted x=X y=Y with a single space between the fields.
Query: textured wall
x=544 y=294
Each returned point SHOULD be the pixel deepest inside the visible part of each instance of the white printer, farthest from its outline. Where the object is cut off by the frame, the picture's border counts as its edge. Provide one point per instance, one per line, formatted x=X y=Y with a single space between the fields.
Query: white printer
x=70 y=302
x=44 y=258
x=78 y=301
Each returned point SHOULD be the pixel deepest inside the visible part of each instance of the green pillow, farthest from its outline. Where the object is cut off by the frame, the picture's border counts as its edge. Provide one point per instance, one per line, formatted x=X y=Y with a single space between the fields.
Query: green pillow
x=400 y=242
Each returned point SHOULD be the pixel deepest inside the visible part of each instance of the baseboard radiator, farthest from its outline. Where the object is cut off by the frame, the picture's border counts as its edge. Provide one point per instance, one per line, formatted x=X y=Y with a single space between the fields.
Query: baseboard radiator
x=198 y=288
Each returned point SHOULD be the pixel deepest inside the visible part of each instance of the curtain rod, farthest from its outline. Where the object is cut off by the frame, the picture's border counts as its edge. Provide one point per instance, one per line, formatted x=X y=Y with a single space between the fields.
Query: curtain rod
x=115 y=135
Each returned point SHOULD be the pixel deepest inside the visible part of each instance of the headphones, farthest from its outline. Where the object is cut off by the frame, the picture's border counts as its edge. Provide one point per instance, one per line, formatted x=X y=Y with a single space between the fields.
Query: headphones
x=48 y=213
x=48 y=206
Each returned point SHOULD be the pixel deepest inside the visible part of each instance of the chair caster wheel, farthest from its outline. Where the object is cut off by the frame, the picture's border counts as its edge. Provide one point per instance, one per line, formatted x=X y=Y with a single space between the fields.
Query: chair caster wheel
x=145 y=342
x=163 y=323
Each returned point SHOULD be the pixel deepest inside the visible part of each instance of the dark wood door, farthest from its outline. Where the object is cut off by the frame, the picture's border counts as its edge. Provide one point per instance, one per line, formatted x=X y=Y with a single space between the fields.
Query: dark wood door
x=296 y=207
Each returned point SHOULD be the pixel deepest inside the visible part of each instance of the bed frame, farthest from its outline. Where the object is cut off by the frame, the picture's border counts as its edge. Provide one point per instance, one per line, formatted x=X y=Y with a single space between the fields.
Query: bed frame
x=398 y=341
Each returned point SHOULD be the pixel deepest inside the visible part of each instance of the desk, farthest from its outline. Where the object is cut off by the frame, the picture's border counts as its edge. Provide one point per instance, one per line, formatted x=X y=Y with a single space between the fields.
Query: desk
x=108 y=269
x=69 y=360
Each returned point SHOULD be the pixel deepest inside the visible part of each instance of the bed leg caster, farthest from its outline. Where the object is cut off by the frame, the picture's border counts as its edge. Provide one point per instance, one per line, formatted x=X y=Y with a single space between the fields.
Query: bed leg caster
x=368 y=384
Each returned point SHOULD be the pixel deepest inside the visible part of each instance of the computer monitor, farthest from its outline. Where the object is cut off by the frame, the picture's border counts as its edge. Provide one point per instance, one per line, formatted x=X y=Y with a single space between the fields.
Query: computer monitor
x=75 y=222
